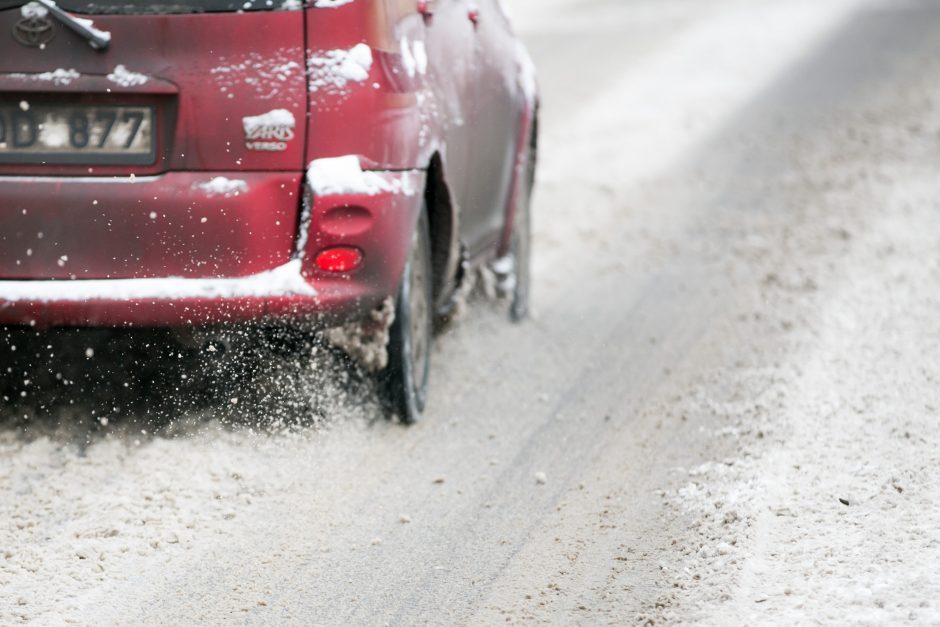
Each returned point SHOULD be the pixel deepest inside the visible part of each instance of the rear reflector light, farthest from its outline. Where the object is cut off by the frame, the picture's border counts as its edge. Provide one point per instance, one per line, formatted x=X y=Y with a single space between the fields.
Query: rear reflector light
x=339 y=259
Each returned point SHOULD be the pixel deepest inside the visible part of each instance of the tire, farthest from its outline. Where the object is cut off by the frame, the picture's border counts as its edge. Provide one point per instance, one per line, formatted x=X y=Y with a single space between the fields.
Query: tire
x=409 y=346
x=520 y=245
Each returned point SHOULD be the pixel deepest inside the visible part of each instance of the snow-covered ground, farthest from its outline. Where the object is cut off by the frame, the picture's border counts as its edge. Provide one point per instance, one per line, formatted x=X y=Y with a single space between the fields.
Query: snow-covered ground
x=724 y=411
x=821 y=504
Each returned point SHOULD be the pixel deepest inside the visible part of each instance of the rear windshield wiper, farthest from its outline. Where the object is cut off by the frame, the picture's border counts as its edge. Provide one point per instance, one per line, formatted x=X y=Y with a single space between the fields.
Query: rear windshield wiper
x=97 y=39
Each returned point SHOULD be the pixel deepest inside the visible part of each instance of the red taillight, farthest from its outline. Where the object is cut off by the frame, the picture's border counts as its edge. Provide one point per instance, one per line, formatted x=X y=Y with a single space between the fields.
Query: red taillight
x=339 y=259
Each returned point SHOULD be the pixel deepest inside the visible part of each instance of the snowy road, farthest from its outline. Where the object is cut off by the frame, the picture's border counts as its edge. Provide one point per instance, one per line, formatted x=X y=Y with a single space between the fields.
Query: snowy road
x=724 y=411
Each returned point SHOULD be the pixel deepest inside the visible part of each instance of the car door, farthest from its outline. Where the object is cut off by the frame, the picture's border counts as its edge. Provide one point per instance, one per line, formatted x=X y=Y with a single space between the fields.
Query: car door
x=494 y=116
x=452 y=76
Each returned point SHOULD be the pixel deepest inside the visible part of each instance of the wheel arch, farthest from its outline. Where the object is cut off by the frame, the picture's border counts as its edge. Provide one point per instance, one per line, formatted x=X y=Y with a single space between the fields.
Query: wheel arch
x=443 y=222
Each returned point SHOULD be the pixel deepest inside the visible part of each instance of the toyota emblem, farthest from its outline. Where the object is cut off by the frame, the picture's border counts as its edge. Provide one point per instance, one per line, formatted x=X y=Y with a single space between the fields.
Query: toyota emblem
x=35 y=28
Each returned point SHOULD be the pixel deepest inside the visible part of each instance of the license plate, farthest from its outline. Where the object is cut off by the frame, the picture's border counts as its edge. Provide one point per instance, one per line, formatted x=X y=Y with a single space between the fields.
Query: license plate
x=76 y=134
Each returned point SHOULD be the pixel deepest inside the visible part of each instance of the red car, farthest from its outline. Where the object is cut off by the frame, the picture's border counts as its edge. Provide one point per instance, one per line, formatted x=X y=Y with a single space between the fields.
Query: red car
x=191 y=163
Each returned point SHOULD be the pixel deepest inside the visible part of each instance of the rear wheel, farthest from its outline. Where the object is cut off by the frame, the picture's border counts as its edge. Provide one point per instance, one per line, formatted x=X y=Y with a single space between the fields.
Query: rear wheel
x=409 y=346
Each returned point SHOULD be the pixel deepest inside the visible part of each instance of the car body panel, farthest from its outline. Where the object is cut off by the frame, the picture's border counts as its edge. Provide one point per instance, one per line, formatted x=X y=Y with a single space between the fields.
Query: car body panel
x=373 y=80
x=183 y=224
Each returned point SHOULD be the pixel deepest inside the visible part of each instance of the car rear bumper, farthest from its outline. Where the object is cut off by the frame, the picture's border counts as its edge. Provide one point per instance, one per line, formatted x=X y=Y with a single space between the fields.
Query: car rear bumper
x=282 y=295
x=378 y=221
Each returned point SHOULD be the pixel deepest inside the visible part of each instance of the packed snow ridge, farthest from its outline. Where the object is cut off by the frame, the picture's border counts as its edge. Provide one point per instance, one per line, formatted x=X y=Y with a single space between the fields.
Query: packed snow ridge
x=58 y=76
x=336 y=68
x=222 y=186
x=344 y=175
x=285 y=280
x=125 y=78
x=33 y=9
x=414 y=57
x=262 y=74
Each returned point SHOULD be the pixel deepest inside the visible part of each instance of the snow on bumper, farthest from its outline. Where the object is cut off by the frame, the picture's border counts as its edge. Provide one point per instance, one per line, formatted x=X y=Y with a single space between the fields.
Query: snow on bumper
x=157 y=301
x=283 y=281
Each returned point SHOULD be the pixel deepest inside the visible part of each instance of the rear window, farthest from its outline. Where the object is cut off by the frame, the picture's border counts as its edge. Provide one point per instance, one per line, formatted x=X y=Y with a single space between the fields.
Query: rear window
x=139 y=7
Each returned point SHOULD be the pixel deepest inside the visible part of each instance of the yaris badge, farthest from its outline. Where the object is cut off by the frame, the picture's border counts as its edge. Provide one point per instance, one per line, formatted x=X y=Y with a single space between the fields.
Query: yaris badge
x=35 y=28
x=269 y=131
